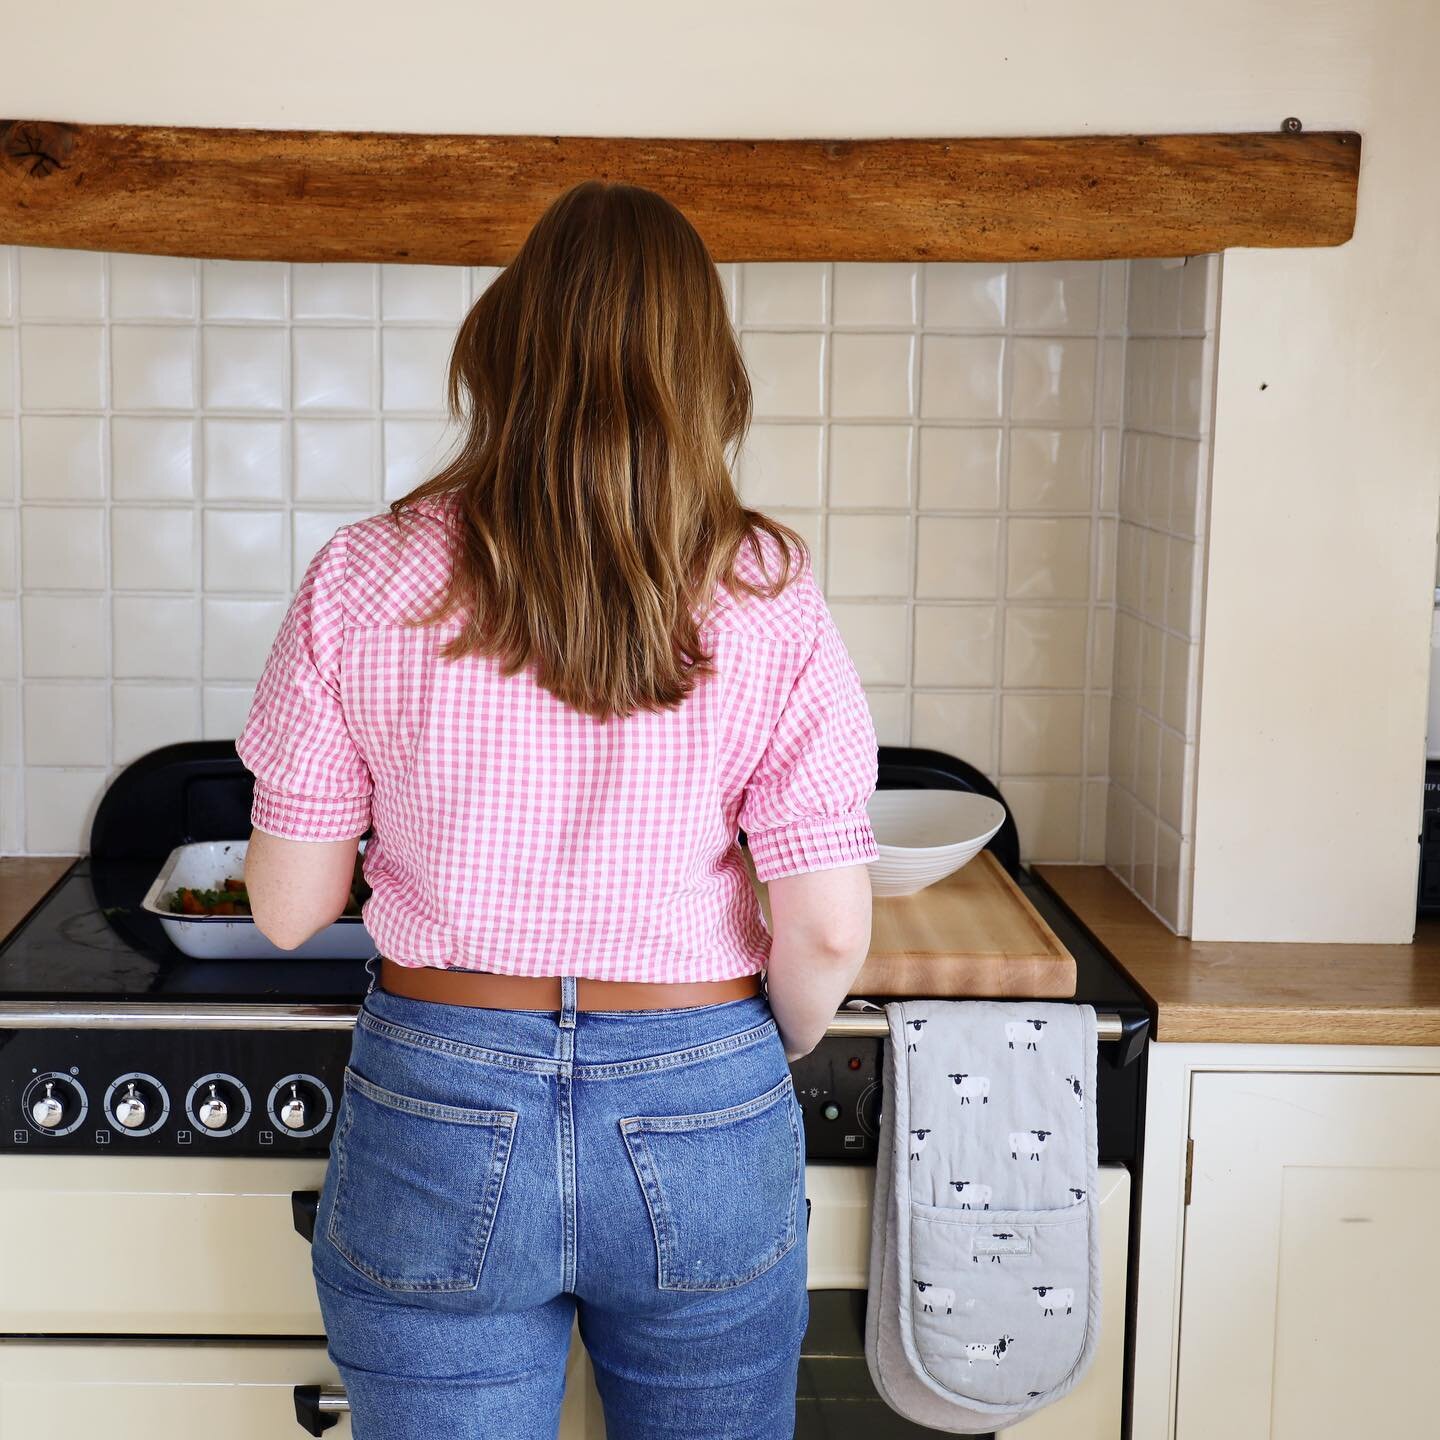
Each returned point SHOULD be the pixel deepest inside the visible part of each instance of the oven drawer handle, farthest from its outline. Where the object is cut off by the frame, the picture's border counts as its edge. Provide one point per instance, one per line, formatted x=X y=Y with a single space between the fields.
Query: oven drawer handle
x=303 y=1207
x=318 y=1407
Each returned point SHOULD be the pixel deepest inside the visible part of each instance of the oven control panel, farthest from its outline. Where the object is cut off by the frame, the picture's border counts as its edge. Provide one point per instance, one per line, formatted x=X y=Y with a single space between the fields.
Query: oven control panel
x=838 y=1084
x=170 y=1092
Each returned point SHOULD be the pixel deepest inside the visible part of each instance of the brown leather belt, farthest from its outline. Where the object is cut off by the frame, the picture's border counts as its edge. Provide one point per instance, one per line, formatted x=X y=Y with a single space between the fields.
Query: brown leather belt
x=542 y=992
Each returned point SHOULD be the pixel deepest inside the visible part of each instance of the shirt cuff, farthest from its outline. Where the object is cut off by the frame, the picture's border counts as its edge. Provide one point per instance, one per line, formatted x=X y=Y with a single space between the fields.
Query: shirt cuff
x=302 y=817
x=819 y=844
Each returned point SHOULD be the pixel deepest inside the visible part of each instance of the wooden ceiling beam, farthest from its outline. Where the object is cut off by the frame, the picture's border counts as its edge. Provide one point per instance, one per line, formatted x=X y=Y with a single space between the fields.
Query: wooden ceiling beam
x=341 y=195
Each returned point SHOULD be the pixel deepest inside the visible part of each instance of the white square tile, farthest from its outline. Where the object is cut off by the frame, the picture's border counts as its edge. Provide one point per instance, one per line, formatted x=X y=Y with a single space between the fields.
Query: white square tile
x=7 y=369
x=890 y=715
x=9 y=551
x=62 y=457
x=62 y=548
x=60 y=807
x=1058 y=296
x=9 y=724
x=7 y=458
x=239 y=635
x=422 y=292
x=784 y=293
x=415 y=367
x=1190 y=381
x=152 y=459
x=62 y=367
x=1051 y=469
x=153 y=367
x=333 y=369
x=868 y=293
x=957 y=722
x=1047 y=815
x=1049 y=559
x=224 y=709
x=64 y=636
x=244 y=367
x=957 y=558
x=876 y=637
x=1096 y=802
x=155 y=639
x=787 y=373
x=9 y=637
x=872 y=375
x=1114 y=283
x=870 y=466
x=148 y=716
x=336 y=460
x=962 y=295
x=781 y=466
x=311 y=529
x=868 y=555
x=7 y=282
x=12 y=813
x=244 y=459
x=244 y=289
x=65 y=724
x=244 y=551
x=152 y=548
x=482 y=277
x=61 y=284
x=959 y=468
x=1042 y=734
x=960 y=377
x=1044 y=647
x=955 y=645
x=1195 y=287
x=414 y=451
x=1112 y=382
x=332 y=291
x=1054 y=380
x=154 y=287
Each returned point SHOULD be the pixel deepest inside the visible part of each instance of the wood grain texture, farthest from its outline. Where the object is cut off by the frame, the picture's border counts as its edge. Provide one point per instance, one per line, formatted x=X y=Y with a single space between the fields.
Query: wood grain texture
x=24 y=880
x=972 y=934
x=1261 y=993
x=471 y=199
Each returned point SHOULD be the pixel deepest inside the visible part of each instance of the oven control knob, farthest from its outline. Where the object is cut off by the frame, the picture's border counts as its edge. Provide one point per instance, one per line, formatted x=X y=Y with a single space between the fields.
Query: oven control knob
x=300 y=1105
x=130 y=1109
x=55 y=1103
x=214 y=1112
x=218 y=1104
x=48 y=1110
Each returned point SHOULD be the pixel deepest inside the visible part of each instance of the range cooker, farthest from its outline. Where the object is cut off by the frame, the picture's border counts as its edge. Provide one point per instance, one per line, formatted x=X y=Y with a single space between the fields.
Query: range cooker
x=165 y=1122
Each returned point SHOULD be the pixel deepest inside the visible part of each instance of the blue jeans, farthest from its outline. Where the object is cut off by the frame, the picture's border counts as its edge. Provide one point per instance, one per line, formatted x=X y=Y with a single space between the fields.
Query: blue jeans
x=493 y=1173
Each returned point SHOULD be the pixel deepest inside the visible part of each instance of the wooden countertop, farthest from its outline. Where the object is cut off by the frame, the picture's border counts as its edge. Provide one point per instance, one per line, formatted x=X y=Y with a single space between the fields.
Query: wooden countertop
x=1262 y=993
x=23 y=880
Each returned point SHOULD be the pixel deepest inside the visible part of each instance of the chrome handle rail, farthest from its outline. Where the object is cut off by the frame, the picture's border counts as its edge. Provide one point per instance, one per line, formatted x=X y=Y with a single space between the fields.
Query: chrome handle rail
x=89 y=1015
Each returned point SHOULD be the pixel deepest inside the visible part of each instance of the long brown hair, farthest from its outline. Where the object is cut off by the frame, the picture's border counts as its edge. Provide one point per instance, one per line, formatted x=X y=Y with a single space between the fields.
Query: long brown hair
x=599 y=385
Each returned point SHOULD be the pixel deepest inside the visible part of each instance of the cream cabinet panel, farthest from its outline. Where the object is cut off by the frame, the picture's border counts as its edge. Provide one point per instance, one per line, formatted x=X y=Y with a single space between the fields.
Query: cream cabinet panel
x=1311 y=1258
x=155 y=1245
x=157 y=1390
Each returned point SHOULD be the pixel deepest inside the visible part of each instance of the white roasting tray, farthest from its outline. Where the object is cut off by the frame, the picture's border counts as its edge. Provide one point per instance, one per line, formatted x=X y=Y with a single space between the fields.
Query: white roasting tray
x=206 y=866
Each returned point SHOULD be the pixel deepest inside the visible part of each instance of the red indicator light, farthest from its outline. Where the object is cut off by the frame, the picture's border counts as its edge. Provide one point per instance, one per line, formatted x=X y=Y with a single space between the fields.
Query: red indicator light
x=854 y=1062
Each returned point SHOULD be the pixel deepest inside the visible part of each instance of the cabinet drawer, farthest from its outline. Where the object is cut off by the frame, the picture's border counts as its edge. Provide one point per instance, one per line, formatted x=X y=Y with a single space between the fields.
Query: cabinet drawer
x=155 y=1245
x=158 y=1390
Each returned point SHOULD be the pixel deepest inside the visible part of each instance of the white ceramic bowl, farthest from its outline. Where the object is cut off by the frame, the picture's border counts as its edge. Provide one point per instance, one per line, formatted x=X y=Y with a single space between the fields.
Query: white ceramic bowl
x=925 y=835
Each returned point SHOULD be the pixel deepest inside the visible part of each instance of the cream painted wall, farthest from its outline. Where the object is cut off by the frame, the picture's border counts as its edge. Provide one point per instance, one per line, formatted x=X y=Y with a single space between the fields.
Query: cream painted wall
x=1322 y=536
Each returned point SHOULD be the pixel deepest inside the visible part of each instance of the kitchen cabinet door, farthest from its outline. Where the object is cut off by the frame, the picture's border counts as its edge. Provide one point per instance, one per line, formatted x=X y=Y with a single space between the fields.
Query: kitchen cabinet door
x=1311 y=1256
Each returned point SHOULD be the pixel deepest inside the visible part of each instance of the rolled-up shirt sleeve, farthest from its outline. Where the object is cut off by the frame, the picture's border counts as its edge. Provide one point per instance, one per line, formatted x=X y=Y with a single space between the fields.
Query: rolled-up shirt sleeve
x=311 y=782
x=804 y=806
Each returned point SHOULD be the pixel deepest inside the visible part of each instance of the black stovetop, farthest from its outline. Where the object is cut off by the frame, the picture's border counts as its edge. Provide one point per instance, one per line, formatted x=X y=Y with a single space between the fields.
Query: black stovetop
x=74 y=947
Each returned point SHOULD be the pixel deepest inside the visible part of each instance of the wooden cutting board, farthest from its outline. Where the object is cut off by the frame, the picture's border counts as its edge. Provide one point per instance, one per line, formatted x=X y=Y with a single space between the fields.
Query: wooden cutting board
x=971 y=934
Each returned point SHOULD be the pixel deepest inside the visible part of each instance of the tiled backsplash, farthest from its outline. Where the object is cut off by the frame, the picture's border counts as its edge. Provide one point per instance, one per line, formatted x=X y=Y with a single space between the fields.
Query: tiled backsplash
x=959 y=443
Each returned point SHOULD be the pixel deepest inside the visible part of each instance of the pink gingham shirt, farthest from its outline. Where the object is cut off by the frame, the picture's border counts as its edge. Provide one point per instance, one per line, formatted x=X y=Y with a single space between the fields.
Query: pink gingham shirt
x=514 y=833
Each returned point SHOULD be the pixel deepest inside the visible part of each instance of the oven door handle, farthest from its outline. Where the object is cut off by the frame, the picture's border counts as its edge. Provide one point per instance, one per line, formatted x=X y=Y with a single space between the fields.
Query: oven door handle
x=304 y=1205
x=318 y=1407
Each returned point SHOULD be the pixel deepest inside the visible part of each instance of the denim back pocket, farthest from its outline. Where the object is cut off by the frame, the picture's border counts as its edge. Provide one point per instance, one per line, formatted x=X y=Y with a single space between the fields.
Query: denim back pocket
x=417 y=1186
x=722 y=1187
